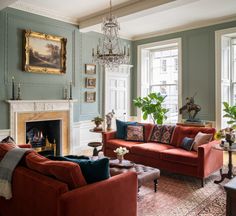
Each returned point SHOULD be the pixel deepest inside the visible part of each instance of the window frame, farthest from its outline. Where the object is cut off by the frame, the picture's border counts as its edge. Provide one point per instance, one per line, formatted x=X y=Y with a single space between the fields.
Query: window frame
x=163 y=44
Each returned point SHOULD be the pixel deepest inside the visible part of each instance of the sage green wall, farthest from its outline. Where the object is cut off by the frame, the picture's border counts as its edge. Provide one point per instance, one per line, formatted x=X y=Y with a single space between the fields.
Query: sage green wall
x=198 y=65
x=46 y=86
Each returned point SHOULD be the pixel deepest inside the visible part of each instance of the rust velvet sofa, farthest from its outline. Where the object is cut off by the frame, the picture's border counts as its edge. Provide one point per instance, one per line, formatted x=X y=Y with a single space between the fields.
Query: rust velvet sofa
x=170 y=157
x=63 y=191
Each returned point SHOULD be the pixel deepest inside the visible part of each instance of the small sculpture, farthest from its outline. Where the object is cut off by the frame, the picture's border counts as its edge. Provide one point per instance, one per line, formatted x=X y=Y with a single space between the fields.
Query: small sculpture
x=191 y=108
x=109 y=117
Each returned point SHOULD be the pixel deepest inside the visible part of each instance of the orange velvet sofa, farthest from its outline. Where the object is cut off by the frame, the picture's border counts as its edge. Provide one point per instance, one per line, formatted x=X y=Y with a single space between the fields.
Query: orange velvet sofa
x=60 y=193
x=170 y=157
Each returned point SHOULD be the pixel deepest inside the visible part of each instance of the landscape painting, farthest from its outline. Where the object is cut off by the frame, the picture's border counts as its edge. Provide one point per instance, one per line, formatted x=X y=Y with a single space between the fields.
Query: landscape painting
x=44 y=53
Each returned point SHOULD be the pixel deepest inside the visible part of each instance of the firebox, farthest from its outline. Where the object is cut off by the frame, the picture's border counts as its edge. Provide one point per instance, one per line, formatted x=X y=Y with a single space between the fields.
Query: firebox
x=44 y=136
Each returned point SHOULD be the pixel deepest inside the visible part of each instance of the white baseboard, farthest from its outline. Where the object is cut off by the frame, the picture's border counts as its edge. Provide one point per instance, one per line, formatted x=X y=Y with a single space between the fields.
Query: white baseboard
x=82 y=136
x=4 y=133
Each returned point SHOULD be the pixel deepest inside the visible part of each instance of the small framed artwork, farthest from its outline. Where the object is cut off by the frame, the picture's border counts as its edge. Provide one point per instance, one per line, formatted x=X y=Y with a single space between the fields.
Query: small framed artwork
x=90 y=68
x=90 y=97
x=44 y=53
x=90 y=82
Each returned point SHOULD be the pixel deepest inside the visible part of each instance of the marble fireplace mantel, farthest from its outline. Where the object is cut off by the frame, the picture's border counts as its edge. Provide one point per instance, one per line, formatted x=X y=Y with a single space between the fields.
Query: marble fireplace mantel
x=45 y=109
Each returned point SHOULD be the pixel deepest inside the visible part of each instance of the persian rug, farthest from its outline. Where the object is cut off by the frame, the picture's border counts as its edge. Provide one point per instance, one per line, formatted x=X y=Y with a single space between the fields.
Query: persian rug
x=182 y=196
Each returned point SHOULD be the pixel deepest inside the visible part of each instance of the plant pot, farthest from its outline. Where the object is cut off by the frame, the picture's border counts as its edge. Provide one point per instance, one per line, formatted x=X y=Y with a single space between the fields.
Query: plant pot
x=120 y=158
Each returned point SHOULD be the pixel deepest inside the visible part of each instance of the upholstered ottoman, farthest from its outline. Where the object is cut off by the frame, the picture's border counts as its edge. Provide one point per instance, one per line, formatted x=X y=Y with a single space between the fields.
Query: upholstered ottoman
x=145 y=173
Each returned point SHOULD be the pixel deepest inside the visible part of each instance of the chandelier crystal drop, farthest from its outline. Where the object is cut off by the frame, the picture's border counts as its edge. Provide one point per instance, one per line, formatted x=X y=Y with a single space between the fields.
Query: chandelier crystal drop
x=110 y=52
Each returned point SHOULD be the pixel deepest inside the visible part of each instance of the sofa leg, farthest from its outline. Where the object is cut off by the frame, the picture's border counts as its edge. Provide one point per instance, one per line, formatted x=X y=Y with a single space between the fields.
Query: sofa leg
x=203 y=182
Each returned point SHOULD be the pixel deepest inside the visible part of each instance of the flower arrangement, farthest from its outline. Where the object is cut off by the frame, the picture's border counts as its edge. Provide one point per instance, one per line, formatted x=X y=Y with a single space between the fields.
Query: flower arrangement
x=121 y=151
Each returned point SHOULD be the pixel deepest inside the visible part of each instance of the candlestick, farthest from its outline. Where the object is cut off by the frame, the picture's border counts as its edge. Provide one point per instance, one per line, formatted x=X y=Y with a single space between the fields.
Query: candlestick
x=66 y=93
x=18 y=92
x=70 y=91
x=13 y=88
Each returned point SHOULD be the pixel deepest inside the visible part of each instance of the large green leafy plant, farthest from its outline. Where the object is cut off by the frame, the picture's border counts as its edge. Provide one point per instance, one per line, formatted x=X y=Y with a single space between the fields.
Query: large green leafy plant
x=152 y=106
x=230 y=113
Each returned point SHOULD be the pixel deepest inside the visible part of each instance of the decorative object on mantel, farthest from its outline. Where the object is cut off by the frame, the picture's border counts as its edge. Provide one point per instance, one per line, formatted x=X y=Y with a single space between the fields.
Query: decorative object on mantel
x=120 y=152
x=90 y=69
x=71 y=98
x=65 y=93
x=191 y=108
x=90 y=97
x=98 y=121
x=18 y=92
x=90 y=82
x=13 y=88
x=110 y=53
x=44 y=53
x=109 y=117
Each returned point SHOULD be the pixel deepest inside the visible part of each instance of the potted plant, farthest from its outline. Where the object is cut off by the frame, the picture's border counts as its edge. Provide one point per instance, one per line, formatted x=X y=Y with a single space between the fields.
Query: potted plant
x=152 y=106
x=98 y=121
x=229 y=132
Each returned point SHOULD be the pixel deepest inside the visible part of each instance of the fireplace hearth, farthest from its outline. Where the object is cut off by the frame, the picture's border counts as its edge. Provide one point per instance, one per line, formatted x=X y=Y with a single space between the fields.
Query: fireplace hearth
x=44 y=136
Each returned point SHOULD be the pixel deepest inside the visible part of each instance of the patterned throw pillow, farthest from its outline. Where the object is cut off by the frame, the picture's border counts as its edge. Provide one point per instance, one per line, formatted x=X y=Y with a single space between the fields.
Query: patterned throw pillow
x=187 y=143
x=8 y=139
x=135 y=133
x=156 y=133
x=167 y=132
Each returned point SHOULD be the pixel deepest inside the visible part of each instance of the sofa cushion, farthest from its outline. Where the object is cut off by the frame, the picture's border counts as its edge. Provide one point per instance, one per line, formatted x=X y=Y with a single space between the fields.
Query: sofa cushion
x=150 y=149
x=181 y=131
x=115 y=143
x=147 y=131
x=4 y=148
x=121 y=128
x=93 y=170
x=167 y=133
x=178 y=155
x=156 y=133
x=187 y=143
x=135 y=133
x=200 y=139
x=67 y=172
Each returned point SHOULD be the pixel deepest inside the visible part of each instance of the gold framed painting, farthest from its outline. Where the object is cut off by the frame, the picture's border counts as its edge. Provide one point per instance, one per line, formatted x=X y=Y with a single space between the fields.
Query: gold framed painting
x=90 y=97
x=90 y=69
x=90 y=82
x=44 y=53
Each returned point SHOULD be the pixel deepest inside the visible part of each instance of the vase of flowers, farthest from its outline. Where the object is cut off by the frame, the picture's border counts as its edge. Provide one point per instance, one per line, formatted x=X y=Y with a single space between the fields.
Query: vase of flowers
x=120 y=152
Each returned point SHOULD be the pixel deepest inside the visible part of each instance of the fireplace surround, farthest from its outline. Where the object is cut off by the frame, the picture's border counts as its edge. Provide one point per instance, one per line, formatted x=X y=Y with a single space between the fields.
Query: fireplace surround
x=25 y=111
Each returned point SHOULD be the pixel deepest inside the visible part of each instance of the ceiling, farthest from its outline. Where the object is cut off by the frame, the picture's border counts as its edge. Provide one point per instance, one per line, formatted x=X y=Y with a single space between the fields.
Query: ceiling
x=138 y=18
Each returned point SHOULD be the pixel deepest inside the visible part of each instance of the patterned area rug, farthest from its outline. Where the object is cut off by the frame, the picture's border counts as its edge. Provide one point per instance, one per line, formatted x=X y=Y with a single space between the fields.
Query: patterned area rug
x=182 y=196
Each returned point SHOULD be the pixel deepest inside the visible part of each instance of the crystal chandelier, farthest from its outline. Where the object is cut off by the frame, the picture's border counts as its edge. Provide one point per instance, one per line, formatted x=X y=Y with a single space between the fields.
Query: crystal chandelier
x=109 y=52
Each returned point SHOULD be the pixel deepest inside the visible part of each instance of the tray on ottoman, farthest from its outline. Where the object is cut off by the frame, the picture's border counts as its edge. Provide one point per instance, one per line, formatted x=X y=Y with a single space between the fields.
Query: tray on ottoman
x=144 y=173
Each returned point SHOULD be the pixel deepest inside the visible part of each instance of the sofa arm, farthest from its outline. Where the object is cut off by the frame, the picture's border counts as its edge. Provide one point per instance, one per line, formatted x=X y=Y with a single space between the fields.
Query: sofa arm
x=210 y=159
x=116 y=196
x=107 y=136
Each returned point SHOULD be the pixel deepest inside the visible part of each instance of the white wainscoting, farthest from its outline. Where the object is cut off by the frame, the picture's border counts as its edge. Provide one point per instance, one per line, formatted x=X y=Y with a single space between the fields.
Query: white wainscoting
x=82 y=136
x=4 y=134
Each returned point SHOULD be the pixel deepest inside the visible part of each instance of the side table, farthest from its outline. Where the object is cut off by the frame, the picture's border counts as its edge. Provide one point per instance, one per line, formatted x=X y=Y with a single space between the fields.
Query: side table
x=229 y=174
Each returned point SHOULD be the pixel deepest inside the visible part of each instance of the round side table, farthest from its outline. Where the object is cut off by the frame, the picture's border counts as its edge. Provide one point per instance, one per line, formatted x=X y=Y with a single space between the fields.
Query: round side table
x=229 y=174
x=95 y=145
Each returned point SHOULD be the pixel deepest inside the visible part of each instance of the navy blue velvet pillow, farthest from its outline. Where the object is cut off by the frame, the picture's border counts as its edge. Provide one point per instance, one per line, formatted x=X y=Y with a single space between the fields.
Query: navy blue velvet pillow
x=187 y=143
x=93 y=170
x=121 y=128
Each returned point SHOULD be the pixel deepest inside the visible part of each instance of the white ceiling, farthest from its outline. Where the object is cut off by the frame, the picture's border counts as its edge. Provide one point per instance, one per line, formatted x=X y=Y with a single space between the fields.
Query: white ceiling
x=175 y=15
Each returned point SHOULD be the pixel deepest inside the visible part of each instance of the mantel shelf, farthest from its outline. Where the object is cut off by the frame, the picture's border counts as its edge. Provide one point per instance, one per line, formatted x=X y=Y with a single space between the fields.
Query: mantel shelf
x=41 y=101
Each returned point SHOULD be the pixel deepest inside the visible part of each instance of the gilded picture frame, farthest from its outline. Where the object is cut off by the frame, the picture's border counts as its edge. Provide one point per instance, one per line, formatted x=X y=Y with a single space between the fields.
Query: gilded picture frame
x=44 y=53
x=90 y=82
x=90 y=69
x=90 y=97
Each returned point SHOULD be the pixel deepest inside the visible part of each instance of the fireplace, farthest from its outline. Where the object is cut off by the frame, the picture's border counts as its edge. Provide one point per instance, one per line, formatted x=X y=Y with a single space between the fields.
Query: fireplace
x=23 y=112
x=44 y=136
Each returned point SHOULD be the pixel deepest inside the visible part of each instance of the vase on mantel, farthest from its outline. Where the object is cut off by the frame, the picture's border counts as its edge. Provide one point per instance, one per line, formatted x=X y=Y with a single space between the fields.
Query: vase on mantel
x=120 y=158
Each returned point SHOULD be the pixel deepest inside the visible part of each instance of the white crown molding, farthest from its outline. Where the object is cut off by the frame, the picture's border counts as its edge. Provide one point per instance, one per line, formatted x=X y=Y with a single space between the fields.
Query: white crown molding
x=43 y=12
x=186 y=27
